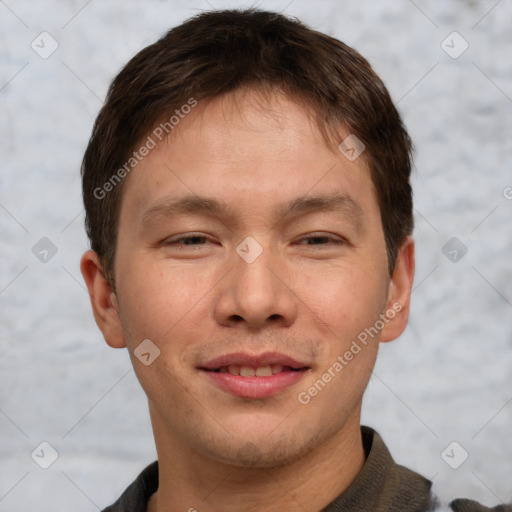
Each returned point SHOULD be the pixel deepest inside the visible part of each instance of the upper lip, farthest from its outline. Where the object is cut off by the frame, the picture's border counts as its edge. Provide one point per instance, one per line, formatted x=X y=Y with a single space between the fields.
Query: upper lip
x=252 y=360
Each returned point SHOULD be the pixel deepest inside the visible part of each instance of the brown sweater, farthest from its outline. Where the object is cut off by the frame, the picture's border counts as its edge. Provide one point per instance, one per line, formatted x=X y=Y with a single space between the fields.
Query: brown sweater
x=381 y=486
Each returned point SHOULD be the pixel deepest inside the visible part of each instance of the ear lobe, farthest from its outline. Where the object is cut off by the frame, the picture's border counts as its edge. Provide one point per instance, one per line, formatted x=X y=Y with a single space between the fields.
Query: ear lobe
x=103 y=300
x=399 y=293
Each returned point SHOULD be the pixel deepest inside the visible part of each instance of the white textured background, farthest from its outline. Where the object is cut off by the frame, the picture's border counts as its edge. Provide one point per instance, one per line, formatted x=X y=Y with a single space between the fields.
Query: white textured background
x=449 y=378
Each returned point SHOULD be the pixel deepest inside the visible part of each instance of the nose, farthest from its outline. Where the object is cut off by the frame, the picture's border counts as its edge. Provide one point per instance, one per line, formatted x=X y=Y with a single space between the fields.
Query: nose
x=256 y=293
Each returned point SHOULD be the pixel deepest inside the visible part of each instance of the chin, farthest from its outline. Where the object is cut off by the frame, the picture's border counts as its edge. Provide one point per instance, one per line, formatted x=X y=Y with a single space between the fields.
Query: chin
x=263 y=453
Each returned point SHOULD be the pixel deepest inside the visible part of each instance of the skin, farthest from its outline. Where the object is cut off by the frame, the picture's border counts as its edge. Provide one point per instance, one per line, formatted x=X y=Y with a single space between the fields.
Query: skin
x=308 y=298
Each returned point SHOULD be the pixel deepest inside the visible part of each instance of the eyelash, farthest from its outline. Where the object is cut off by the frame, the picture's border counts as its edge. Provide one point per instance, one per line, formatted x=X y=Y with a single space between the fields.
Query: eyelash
x=182 y=239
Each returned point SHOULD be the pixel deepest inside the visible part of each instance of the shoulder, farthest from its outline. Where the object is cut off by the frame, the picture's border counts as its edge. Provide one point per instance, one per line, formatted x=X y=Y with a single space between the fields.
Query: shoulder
x=465 y=505
x=403 y=489
x=135 y=497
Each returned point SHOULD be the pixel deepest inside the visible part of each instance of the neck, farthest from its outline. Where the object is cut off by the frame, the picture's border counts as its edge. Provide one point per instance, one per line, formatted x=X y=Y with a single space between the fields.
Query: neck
x=190 y=482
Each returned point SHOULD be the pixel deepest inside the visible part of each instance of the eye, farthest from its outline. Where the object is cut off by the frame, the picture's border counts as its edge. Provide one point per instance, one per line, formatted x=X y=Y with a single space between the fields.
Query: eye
x=194 y=240
x=321 y=239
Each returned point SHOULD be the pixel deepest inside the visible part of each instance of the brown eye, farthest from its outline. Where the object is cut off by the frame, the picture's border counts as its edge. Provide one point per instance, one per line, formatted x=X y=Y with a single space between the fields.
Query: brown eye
x=321 y=239
x=193 y=240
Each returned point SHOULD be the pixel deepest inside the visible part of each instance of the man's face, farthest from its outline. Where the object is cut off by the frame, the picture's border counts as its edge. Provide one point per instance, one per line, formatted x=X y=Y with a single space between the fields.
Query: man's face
x=285 y=303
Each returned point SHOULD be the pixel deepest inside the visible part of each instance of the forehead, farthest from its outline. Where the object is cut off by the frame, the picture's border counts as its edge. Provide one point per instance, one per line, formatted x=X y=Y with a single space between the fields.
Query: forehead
x=250 y=152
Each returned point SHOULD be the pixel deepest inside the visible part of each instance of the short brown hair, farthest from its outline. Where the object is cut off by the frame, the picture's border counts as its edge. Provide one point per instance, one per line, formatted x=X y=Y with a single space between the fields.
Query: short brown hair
x=218 y=52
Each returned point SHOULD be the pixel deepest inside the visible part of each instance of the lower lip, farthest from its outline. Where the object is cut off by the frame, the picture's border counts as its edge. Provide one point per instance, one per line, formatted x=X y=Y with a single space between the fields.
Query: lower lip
x=255 y=387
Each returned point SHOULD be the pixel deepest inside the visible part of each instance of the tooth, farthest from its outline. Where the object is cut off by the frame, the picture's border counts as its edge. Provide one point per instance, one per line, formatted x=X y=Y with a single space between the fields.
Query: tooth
x=234 y=370
x=247 y=371
x=277 y=368
x=224 y=369
x=264 y=371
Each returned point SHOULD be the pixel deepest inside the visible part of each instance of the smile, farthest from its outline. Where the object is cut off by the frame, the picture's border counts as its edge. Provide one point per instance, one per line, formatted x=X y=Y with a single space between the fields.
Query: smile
x=260 y=371
x=254 y=376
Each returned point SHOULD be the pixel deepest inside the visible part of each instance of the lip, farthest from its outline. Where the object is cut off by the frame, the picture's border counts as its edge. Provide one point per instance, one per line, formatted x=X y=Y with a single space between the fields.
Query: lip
x=254 y=387
x=246 y=359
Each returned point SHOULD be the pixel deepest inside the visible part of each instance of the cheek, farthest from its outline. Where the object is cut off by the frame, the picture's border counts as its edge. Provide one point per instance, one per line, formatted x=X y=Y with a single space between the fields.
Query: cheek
x=164 y=306
x=346 y=296
x=346 y=306
x=162 y=301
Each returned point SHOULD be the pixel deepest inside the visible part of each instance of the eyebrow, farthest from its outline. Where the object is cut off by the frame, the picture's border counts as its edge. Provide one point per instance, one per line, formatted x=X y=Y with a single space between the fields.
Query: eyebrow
x=204 y=205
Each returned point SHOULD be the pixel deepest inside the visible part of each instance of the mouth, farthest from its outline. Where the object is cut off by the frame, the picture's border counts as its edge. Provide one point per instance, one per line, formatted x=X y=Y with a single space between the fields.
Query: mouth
x=259 y=371
x=256 y=377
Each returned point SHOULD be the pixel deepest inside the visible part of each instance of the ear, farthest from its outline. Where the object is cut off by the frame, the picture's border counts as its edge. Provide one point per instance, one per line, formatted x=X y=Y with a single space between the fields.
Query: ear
x=399 y=293
x=103 y=300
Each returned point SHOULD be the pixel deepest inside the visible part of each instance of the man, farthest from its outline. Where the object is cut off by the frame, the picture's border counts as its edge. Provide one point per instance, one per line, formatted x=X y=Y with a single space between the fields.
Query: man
x=248 y=204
